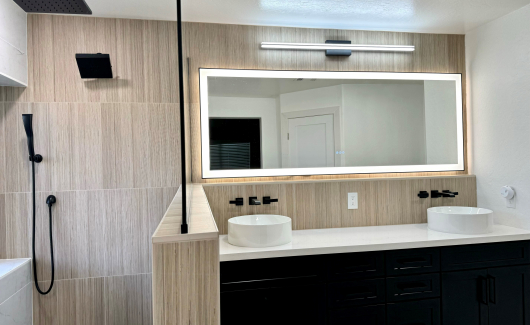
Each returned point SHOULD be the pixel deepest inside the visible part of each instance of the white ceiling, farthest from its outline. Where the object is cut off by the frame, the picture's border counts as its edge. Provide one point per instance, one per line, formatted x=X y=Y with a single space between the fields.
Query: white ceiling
x=431 y=16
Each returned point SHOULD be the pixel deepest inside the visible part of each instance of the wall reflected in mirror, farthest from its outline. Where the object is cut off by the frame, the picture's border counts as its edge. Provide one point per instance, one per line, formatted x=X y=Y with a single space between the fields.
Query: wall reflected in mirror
x=268 y=123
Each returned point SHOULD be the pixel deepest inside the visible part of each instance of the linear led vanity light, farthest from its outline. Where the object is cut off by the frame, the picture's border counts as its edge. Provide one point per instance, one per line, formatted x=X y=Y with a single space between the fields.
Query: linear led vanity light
x=329 y=46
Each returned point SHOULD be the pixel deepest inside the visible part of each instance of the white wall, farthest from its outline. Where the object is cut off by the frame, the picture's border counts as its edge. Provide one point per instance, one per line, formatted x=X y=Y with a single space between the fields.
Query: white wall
x=498 y=70
x=311 y=99
x=264 y=108
x=440 y=122
x=13 y=45
x=384 y=124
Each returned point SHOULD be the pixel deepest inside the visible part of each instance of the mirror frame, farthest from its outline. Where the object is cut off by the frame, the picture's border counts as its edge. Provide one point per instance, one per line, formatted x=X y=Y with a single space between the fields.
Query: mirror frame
x=204 y=73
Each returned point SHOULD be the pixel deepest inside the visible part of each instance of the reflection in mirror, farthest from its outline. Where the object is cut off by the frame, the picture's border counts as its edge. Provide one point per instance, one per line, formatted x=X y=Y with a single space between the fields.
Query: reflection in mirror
x=286 y=125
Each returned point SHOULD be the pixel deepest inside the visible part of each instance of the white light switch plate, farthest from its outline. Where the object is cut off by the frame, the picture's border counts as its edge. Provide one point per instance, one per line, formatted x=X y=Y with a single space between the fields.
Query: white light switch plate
x=353 y=202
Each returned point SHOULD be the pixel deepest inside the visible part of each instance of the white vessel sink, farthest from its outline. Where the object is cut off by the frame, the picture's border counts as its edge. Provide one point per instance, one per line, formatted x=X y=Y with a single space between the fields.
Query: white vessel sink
x=460 y=220
x=261 y=230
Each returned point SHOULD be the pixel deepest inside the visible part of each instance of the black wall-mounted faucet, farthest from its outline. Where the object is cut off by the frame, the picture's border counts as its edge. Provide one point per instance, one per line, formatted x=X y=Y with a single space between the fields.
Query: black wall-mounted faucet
x=445 y=193
x=423 y=194
x=268 y=200
x=238 y=201
x=253 y=200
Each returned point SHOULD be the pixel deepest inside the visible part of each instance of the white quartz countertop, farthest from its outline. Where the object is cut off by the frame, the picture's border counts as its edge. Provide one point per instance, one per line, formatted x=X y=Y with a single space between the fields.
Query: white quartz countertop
x=364 y=239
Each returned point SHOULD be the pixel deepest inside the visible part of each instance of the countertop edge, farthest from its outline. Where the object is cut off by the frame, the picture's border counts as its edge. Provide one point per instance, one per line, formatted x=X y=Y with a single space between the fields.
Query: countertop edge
x=274 y=253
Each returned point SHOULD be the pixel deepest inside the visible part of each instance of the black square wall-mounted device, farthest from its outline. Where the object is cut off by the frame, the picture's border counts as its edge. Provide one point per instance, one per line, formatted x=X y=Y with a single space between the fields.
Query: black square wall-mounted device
x=94 y=66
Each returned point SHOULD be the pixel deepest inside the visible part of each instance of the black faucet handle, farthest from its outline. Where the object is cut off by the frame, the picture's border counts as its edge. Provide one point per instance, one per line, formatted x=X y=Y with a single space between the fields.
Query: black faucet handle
x=423 y=194
x=238 y=201
x=268 y=200
x=447 y=191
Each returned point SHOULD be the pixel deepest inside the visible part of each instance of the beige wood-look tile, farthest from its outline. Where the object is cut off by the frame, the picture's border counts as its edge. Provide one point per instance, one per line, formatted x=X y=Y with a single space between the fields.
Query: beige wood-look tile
x=151 y=58
x=127 y=300
x=435 y=53
x=3 y=239
x=18 y=225
x=18 y=179
x=87 y=162
x=328 y=200
x=72 y=35
x=106 y=90
x=164 y=145
x=62 y=130
x=466 y=188
x=43 y=58
x=129 y=61
x=158 y=201
x=197 y=299
x=168 y=60
x=2 y=147
x=79 y=301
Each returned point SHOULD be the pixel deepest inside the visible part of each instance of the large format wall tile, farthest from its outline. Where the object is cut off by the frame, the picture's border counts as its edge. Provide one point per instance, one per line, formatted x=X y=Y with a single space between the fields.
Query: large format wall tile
x=95 y=301
x=320 y=205
x=3 y=240
x=88 y=146
x=96 y=233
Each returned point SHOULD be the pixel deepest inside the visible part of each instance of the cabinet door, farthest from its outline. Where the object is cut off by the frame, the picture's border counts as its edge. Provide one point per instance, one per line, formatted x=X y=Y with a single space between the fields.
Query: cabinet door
x=509 y=295
x=368 y=315
x=279 y=306
x=464 y=298
x=420 y=312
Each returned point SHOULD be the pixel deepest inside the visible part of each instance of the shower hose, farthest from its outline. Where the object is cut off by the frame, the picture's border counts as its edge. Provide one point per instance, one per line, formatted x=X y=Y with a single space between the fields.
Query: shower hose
x=50 y=203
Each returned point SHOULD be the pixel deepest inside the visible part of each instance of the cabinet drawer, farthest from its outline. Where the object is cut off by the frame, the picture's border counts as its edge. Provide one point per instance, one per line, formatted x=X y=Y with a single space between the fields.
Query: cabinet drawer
x=422 y=312
x=413 y=287
x=368 y=315
x=355 y=293
x=412 y=261
x=281 y=306
x=355 y=265
x=263 y=273
x=485 y=255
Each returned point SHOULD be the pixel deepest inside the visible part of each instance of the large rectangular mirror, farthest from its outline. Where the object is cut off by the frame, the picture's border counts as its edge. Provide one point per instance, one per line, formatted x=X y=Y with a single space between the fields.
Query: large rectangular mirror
x=279 y=123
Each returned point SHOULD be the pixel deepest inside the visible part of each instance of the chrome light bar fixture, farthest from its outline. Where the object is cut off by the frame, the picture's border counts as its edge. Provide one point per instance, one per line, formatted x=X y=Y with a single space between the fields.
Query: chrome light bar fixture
x=334 y=46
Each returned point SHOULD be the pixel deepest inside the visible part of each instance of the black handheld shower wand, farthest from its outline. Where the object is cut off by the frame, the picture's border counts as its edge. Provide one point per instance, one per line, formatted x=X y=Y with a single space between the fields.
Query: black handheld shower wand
x=27 y=119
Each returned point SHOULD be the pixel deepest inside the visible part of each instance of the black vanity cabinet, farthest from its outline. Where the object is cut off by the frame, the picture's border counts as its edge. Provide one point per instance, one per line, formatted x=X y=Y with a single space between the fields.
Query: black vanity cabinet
x=471 y=284
x=498 y=295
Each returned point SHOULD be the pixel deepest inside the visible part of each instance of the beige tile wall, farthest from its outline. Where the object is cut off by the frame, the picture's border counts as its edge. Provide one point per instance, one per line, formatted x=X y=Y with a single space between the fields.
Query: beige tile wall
x=111 y=157
x=315 y=205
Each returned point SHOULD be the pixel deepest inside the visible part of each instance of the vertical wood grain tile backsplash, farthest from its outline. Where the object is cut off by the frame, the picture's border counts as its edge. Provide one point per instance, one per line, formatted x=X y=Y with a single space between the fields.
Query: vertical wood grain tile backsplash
x=316 y=205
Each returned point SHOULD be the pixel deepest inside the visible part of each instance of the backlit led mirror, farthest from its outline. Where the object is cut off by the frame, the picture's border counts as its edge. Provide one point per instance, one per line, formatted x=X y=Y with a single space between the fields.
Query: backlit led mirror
x=280 y=123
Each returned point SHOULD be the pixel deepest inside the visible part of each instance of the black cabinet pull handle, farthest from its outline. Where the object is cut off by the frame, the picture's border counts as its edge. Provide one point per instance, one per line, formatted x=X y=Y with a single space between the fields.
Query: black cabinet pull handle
x=411 y=260
x=491 y=289
x=483 y=290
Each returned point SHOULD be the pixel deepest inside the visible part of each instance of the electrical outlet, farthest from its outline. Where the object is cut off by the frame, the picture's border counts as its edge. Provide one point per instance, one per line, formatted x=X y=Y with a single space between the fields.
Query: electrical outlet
x=353 y=202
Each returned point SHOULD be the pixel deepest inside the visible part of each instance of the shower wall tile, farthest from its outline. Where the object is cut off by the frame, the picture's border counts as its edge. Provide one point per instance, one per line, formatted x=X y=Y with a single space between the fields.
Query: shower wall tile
x=2 y=146
x=89 y=146
x=127 y=300
x=96 y=233
x=79 y=301
x=3 y=239
x=95 y=301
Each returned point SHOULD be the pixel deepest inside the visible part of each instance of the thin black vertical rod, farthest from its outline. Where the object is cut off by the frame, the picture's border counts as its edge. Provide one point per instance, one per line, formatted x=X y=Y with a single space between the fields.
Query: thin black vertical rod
x=184 y=225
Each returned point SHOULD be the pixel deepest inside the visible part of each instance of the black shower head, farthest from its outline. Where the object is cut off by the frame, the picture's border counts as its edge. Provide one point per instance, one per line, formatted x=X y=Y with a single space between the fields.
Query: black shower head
x=75 y=7
x=27 y=119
